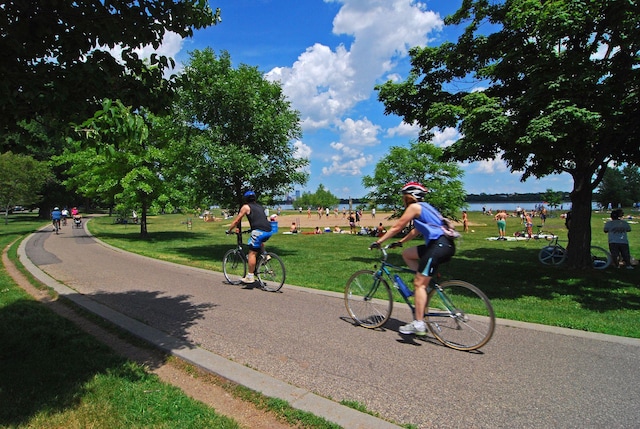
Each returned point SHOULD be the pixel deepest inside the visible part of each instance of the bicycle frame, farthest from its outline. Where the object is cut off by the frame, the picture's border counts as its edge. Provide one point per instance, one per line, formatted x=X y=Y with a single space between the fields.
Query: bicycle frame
x=387 y=268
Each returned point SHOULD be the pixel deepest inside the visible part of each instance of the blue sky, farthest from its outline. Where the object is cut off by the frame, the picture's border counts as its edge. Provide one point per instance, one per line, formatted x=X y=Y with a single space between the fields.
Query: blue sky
x=328 y=55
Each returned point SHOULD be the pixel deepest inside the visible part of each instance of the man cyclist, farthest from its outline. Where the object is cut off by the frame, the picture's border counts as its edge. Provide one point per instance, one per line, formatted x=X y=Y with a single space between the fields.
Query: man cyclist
x=260 y=231
x=56 y=215
x=425 y=258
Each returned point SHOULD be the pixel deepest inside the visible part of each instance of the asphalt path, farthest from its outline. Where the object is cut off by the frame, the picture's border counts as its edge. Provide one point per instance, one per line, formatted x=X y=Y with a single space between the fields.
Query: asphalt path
x=527 y=376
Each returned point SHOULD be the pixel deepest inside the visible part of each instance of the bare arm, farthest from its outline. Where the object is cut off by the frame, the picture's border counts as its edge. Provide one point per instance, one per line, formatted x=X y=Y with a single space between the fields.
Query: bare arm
x=409 y=214
x=244 y=210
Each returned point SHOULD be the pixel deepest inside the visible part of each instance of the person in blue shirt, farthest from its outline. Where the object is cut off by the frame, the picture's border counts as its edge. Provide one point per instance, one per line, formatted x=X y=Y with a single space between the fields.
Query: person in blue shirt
x=424 y=258
x=56 y=215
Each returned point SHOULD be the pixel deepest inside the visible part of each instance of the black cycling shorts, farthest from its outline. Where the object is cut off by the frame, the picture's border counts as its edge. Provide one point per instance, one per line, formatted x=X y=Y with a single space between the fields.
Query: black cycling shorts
x=435 y=253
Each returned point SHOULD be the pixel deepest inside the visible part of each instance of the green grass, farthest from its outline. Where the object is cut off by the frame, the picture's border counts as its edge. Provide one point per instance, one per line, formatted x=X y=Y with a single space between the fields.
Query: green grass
x=520 y=287
x=52 y=374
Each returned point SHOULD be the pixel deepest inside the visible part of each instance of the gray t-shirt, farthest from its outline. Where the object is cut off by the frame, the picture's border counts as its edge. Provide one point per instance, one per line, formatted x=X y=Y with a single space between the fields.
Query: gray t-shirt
x=617 y=230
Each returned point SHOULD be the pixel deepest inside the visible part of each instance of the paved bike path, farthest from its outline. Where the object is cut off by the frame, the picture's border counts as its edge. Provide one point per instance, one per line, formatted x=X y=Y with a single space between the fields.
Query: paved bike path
x=300 y=341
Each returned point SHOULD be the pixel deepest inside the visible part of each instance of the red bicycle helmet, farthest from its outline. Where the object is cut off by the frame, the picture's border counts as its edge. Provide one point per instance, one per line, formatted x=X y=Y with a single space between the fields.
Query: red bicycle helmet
x=415 y=189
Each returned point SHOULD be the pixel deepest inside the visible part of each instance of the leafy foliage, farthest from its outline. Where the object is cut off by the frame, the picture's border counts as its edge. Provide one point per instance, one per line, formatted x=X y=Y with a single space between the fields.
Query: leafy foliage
x=57 y=56
x=321 y=198
x=238 y=132
x=119 y=161
x=21 y=180
x=420 y=162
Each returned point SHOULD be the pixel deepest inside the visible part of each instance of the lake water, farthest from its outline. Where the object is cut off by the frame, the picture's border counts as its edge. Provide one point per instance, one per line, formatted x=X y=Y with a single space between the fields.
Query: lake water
x=473 y=207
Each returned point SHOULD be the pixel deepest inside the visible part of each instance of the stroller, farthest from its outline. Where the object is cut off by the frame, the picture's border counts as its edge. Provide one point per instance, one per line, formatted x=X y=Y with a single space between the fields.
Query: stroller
x=77 y=221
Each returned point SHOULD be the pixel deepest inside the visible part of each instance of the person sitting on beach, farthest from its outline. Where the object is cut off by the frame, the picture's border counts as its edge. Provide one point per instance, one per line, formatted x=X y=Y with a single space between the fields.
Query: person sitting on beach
x=318 y=230
x=337 y=229
x=294 y=228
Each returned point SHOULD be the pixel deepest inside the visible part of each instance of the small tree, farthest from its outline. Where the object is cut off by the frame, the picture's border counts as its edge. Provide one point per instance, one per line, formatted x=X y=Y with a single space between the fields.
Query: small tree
x=552 y=198
x=420 y=162
x=321 y=198
x=21 y=179
x=119 y=160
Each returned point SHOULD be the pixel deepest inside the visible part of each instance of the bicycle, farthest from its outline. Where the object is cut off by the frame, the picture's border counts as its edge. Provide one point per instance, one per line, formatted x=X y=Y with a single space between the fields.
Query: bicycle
x=556 y=254
x=458 y=314
x=270 y=272
x=56 y=225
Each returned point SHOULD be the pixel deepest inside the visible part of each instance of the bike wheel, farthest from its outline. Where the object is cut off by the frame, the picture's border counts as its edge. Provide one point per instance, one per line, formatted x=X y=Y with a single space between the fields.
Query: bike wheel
x=460 y=315
x=600 y=258
x=234 y=266
x=271 y=272
x=368 y=299
x=552 y=255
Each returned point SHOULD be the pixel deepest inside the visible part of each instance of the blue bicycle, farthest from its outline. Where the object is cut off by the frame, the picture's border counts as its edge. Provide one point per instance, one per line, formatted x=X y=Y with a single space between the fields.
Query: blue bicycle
x=458 y=314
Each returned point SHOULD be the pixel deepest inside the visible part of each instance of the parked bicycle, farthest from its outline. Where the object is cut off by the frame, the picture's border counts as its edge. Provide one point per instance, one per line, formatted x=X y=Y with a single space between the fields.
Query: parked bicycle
x=270 y=272
x=458 y=314
x=556 y=254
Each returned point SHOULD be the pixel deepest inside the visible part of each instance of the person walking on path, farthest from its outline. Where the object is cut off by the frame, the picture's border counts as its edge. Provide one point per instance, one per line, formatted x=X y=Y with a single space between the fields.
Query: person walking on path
x=501 y=221
x=425 y=258
x=260 y=231
x=617 y=229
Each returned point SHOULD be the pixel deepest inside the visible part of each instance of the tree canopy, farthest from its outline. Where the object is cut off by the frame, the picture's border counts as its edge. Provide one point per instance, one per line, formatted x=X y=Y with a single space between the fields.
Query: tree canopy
x=57 y=62
x=420 y=162
x=238 y=132
x=322 y=197
x=21 y=179
x=553 y=89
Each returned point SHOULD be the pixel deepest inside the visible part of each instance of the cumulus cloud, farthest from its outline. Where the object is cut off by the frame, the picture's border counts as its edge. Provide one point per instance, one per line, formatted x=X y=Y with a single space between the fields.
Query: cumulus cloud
x=404 y=130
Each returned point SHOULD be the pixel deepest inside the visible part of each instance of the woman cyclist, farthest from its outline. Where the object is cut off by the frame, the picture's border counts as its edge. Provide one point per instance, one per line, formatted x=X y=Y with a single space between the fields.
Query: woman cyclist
x=425 y=258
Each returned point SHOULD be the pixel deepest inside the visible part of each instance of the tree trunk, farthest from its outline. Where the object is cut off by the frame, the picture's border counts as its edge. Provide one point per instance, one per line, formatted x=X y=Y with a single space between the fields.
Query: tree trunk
x=579 y=247
x=143 y=220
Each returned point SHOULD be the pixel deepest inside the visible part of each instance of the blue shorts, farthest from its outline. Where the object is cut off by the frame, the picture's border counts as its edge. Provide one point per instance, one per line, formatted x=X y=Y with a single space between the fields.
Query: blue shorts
x=258 y=238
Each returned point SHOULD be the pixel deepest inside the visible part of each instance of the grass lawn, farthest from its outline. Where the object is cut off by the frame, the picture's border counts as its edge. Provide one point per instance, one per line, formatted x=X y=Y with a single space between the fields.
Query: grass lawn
x=52 y=374
x=520 y=288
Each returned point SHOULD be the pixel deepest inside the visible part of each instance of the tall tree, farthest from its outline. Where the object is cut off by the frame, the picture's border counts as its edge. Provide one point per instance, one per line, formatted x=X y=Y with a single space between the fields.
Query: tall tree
x=21 y=180
x=57 y=63
x=620 y=186
x=420 y=162
x=554 y=89
x=240 y=131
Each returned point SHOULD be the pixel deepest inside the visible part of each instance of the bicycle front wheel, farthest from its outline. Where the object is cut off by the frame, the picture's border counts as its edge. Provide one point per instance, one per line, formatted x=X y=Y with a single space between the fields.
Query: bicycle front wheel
x=460 y=315
x=368 y=299
x=271 y=272
x=234 y=266
x=552 y=255
x=600 y=258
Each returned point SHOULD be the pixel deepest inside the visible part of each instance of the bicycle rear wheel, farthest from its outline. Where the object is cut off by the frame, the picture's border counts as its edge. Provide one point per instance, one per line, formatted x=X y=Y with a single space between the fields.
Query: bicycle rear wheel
x=271 y=272
x=234 y=266
x=460 y=315
x=600 y=258
x=368 y=299
x=552 y=255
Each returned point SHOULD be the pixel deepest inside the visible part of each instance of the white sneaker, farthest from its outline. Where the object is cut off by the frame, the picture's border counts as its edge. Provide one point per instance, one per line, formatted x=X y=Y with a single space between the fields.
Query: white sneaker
x=247 y=280
x=415 y=327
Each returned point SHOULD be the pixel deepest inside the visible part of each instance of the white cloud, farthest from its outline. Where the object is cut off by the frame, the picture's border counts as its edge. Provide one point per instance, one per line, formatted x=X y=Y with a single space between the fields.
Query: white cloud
x=445 y=138
x=301 y=150
x=324 y=84
x=404 y=130
x=361 y=132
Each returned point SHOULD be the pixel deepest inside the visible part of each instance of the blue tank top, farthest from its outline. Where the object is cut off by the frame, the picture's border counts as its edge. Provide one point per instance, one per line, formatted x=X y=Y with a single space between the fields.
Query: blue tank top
x=429 y=223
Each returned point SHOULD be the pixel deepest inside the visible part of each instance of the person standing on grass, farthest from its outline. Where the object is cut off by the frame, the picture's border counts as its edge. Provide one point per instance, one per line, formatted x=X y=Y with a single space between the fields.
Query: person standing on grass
x=501 y=222
x=425 y=258
x=465 y=221
x=260 y=231
x=617 y=229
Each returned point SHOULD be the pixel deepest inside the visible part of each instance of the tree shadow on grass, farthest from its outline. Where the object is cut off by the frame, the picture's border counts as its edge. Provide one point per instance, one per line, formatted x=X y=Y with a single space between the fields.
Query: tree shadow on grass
x=512 y=273
x=46 y=360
